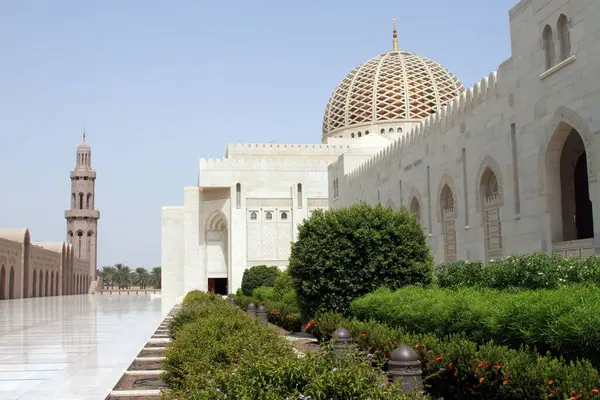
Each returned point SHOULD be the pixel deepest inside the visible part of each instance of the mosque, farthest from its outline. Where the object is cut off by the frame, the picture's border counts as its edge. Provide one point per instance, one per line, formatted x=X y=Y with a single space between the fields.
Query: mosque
x=504 y=167
x=40 y=269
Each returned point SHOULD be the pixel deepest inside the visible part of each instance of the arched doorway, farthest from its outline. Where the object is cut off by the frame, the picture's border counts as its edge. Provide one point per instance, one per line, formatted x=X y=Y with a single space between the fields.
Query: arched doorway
x=51 y=283
x=11 y=283
x=217 y=253
x=2 y=283
x=56 y=283
x=568 y=194
x=448 y=212
x=46 y=291
x=41 y=284
x=34 y=285
x=415 y=208
x=491 y=199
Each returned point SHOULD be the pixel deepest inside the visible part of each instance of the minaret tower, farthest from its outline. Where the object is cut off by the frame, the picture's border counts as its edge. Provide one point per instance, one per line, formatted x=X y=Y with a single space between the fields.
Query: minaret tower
x=82 y=218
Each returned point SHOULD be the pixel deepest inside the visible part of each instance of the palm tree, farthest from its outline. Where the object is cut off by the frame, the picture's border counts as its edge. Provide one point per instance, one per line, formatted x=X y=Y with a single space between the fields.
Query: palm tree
x=123 y=276
x=108 y=274
x=155 y=277
x=142 y=277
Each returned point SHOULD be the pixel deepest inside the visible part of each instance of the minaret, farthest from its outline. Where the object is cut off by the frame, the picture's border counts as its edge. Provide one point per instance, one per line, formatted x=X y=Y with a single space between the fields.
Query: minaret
x=82 y=218
x=395 y=37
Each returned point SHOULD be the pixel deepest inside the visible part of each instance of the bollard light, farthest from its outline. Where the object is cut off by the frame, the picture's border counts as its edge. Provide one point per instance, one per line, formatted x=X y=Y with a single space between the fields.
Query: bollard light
x=251 y=310
x=261 y=314
x=342 y=340
x=404 y=366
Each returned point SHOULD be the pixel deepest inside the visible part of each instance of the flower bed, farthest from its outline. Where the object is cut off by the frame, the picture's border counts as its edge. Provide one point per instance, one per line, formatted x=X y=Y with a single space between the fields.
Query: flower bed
x=456 y=368
x=563 y=321
x=219 y=352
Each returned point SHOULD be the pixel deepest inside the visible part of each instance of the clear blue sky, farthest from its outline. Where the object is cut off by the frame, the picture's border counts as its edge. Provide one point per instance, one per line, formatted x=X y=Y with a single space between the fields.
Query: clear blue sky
x=158 y=84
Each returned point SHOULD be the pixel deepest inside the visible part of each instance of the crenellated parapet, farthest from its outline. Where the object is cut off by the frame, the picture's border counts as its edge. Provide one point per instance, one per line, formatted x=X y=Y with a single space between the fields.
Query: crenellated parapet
x=449 y=117
x=285 y=149
x=224 y=164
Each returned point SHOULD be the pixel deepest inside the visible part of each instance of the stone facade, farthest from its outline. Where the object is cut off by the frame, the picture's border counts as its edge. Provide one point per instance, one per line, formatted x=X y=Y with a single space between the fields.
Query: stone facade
x=510 y=165
x=40 y=269
x=507 y=166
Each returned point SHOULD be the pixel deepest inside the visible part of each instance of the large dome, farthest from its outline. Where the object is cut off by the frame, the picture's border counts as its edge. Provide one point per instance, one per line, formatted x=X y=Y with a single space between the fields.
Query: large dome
x=393 y=87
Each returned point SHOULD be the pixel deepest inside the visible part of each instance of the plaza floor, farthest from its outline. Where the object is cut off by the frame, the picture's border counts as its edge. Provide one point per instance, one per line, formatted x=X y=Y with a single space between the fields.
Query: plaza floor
x=72 y=347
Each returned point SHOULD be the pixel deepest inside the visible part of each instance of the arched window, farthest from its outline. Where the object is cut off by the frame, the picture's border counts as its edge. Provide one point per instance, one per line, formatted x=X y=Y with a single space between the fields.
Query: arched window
x=382 y=131
x=73 y=201
x=415 y=208
x=352 y=135
x=299 y=195
x=253 y=215
x=284 y=215
x=269 y=216
x=399 y=130
x=391 y=130
x=79 y=238
x=359 y=134
x=366 y=133
x=88 y=203
x=90 y=234
x=548 y=44
x=238 y=195
x=564 y=36
x=490 y=192
x=448 y=223
x=81 y=201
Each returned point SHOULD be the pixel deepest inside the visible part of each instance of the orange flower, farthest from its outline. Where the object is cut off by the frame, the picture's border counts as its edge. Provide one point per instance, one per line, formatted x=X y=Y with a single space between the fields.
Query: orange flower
x=505 y=383
x=429 y=351
x=364 y=335
x=438 y=358
x=481 y=380
x=480 y=365
x=595 y=390
x=497 y=366
x=550 y=382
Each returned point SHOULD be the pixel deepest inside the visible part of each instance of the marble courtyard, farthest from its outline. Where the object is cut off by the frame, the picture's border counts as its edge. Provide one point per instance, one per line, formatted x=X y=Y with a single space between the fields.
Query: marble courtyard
x=72 y=347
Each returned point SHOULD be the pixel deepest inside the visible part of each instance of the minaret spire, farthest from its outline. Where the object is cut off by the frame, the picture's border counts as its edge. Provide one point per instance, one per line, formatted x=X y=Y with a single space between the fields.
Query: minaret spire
x=395 y=36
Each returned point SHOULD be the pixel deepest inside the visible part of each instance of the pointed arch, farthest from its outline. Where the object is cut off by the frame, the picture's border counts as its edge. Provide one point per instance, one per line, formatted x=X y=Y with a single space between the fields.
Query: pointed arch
x=390 y=203
x=415 y=203
x=551 y=144
x=564 y=37
x=216 y=221
x=446 y=182
x=548 y=47
x=488 y=163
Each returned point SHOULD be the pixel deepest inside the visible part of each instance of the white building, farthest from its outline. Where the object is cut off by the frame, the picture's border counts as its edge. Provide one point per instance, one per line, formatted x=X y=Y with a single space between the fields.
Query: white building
x=507 y=166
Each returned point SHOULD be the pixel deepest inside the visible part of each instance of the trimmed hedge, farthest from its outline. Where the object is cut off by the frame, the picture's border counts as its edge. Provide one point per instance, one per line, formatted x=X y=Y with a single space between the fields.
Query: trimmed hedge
x=222 y=353
x=257 y=276
x=342 y=254
x=456 y=368
x=282 y=308
x=563 y=321
x=527 y=271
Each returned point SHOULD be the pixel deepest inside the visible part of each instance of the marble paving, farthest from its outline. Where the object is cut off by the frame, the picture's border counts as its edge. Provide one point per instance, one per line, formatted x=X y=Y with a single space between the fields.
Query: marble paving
x=72 y=347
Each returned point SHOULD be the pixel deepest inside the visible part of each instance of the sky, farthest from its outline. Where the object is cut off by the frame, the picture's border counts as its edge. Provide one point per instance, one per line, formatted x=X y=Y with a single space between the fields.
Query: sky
x=158 y=84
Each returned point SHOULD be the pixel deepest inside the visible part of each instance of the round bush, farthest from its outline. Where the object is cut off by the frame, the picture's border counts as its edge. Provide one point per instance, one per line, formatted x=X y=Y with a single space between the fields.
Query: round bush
x=257 y=276
x=345 y=253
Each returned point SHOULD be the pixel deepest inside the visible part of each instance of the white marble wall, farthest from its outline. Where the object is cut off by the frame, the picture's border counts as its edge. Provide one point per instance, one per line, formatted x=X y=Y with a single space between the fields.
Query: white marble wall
x=475 y=132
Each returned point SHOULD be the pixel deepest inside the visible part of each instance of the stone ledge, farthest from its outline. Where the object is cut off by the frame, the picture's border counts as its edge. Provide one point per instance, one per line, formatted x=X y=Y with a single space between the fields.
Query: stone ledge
x=557 y=67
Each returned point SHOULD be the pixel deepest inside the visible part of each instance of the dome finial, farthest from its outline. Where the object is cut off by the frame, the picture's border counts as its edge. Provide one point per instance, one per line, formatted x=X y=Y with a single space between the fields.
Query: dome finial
x=395 y=35
x=84 y=134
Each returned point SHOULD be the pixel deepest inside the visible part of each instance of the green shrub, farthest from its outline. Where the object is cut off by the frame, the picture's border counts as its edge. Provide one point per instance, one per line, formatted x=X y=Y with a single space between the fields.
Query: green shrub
x=563 y=321
x=224 y=354
x=456 y=368
x=263 y=293
x=283 y=312
x=526 y=271
x=459 y=273
x=284 y=284
x=257 y=276
x=344 y=253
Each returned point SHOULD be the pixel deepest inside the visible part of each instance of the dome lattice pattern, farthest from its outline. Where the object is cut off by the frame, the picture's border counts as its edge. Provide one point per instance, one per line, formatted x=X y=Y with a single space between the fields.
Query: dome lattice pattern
x=393 y=86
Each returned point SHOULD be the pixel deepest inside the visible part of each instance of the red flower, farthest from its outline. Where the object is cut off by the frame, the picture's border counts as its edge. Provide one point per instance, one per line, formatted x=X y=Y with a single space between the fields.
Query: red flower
x=505 y=383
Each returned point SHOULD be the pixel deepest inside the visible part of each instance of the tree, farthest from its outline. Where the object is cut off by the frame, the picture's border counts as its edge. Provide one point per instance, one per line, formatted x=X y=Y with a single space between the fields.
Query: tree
x=156 y=277
x=259 y=275
x=142 y=277
x=123 y=276
x=344 y=253
x=108 y=274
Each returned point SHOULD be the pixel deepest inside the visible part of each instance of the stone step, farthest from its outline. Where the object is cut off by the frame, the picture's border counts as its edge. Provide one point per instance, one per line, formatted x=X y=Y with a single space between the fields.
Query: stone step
x=150 y=358
x=145 y=372
x=134 y=394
